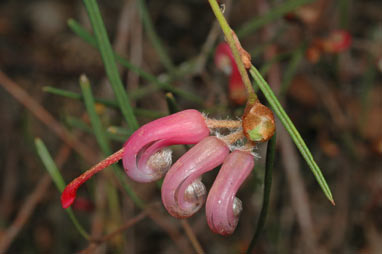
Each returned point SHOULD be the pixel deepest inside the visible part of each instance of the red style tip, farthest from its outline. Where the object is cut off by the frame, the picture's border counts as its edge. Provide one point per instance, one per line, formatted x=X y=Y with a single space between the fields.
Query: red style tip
x=69 y=194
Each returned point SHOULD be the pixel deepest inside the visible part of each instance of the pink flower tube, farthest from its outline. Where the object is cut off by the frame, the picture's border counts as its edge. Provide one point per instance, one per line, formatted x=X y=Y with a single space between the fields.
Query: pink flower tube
x=225 y=61
x=183 y=193
x=144 y=159
x=222 y=207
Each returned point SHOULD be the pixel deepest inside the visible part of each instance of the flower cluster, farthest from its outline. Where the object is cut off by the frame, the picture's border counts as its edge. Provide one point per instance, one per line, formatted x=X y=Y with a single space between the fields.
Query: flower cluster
x=146 y=158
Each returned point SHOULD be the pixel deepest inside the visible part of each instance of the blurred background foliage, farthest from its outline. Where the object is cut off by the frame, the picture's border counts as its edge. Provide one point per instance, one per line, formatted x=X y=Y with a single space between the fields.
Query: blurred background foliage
x=334 y=99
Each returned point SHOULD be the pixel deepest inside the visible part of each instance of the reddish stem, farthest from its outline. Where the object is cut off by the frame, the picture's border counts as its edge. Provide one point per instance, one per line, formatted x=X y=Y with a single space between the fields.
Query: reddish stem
x=69 y=194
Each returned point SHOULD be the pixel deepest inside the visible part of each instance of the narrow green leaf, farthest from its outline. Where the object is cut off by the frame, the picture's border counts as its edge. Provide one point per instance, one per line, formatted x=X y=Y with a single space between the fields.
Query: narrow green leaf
x=157 y=85
x=108 y=58
x=153 y=36
x=99 y=133
x=291 y=69
x=273 y=14
x=77 y=123
x=109 y=103
x=77 y=96
x=82 y=32
x=289 y=126
x=160 y=85
x=58 y=180
x=50 y=165
x=102 y=139
x=267 y=65
x=271 y=152
x=120 y=174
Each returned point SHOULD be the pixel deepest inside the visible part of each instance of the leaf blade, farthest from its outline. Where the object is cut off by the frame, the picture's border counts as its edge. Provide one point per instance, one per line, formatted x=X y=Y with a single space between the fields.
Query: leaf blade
x=291 y=129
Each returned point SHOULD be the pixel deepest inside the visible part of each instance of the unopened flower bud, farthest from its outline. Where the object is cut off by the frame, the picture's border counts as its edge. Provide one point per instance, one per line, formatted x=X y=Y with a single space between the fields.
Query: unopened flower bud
x=258 y=122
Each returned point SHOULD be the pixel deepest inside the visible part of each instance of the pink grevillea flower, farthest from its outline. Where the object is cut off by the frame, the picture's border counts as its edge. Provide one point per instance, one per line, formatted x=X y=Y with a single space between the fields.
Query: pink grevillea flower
x=225 y=61
x=143 y=157
x=183 y=193
x=222 y=207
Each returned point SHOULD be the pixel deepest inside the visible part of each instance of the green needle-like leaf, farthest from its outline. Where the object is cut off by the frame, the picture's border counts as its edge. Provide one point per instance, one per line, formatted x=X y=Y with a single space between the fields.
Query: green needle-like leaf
x=289 y=126
x=102 y=139
x=99 y=133
x=86 y=36
x=291 y=70
x=154 y=38
x=108 y=58
x=109 y=103
x=58 y=180
x=78 y=123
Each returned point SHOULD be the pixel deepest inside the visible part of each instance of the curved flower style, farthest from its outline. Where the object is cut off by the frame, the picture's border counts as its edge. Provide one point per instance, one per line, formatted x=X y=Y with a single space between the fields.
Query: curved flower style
x=222 y=207
x=143 y=158
x=225 y=61
x=183 y=193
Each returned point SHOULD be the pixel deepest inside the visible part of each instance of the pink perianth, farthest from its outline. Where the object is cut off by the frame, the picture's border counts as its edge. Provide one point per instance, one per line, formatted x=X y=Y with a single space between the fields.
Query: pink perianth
x=185 y=127
x=69 y=194
x=220 y=201
x=203 y=157
x=225 y=61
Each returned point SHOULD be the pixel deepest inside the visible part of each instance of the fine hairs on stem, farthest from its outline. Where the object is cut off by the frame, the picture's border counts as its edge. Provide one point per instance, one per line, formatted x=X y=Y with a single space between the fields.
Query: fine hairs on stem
x=233 y=137
x=215 y=123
